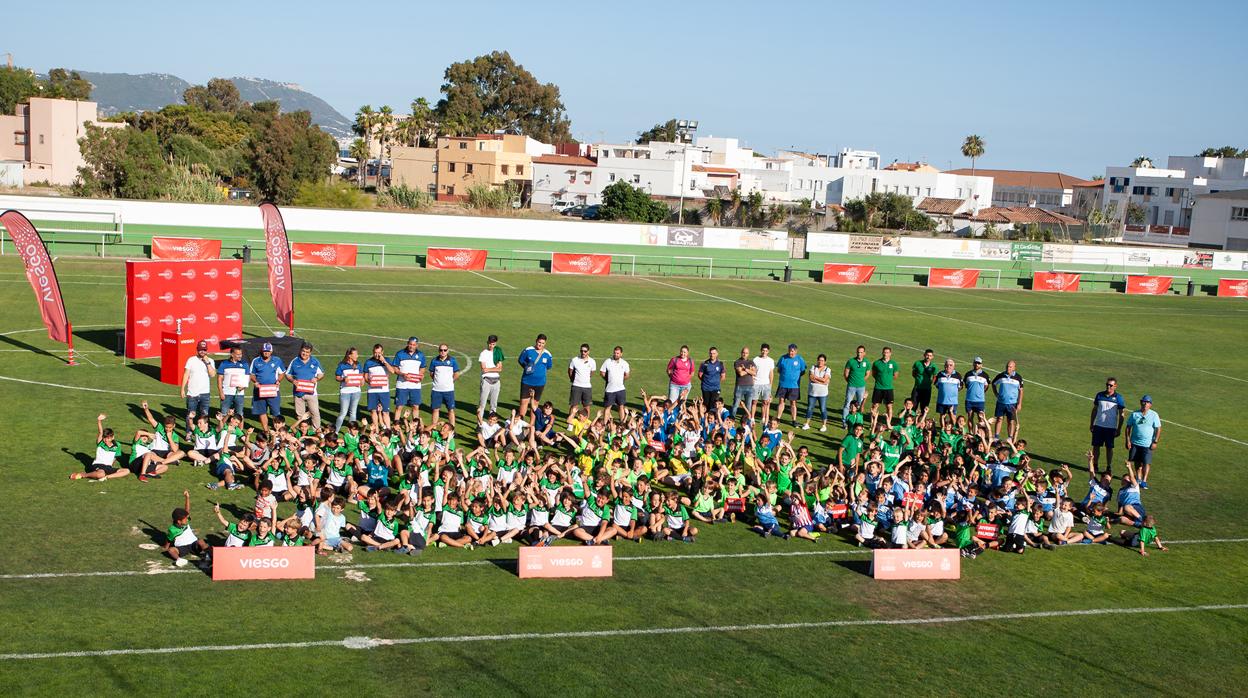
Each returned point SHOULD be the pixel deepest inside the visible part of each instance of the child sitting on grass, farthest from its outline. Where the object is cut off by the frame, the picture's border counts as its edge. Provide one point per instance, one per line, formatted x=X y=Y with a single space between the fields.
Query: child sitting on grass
x=236 y=533
x=1140 y=539
x=107 y=452
x=180 y=539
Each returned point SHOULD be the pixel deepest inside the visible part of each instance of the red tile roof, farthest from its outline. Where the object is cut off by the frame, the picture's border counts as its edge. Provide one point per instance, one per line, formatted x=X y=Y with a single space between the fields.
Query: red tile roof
x=1023 y=214
x=715 y=170
x=1092 y=184
x=1024 y=178
x=940 y=206
x=573 y=160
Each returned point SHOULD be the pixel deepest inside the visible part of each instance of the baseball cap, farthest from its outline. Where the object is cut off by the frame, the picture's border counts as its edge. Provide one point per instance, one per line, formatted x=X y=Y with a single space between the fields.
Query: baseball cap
x=202 y=346
x=492 y=339
x=1146 y=398
x=414 y=338
x=979 y=359
x=792 y=346
x=266 y=347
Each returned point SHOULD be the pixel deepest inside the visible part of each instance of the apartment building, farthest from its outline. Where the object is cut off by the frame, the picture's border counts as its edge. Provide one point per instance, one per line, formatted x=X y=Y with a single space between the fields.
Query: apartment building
x=1166 y=196
x=457 y=163
x=42 y=134
x=1051 y=191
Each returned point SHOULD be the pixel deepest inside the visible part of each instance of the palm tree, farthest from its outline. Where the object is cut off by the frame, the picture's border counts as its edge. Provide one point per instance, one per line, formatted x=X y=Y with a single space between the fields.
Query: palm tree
x=714 y=209
x=734 y=207
x=385 y=129
x=1142 y=161
x=359 y=151
x=776 y=215
x=423 y=122
x=365 y=122
x=973 y=147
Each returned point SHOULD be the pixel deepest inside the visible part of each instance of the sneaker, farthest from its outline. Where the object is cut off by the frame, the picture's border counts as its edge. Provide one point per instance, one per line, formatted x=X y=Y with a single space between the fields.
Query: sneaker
x=569 y=428
x=440 y=544
x=142 y=478
x=234 y=486
x=815 y=535
x=1086 y=541
x=766 y=534
x=823 y=428
x=805 y=427
x=371 y=548
x=153 y=477
x=212 y=485
x=1143 y=484
x=469 y=546
x=1050 y=546
x=687 y=539
x=180 y=562
x=413 y=551
x=494 y=542
x=785 y=537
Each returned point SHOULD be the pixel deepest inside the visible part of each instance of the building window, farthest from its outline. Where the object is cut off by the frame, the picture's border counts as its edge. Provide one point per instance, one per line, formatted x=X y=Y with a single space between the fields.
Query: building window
x=433 y=190
x=463 y=145
x=571 y=176
x=587 y=175
x=636 y=179
x=19 y=138
x=450 y=167
x=41 y=139
x=506 y=168
x=1239 y=213
x=435 y=168
x=520 y=170
x=469 y=166
x=611 y=178
x=959 y=192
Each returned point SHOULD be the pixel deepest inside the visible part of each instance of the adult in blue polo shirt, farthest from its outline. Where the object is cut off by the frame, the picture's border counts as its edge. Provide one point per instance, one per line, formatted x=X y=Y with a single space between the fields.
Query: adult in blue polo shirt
x=711 y=373
x=1105 y=423
x=534 y=362
x=789 y=371
x=303 y=368
x=1008 y=388
x=266 y=372
x=976 y=381
x=229 y=377
x=409 y=362
x=1143 y=433
x=948 y=382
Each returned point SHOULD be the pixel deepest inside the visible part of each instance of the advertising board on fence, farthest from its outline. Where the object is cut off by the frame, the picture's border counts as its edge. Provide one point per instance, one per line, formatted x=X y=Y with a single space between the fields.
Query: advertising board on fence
x=952 y=278
x=995 y=249
x=1230 y=261
x=1233 y=288
x=463 y=259
x=322 y=254
x=1055 y=281
x=941 y=563
x=569 y=263
x=847 y=273
x=684 y=237
x=565 y=561
x=865 y=244
x=827 y=243
x=185 y=248
x=279 y=562
x=1026 y=251
x=1148 y=285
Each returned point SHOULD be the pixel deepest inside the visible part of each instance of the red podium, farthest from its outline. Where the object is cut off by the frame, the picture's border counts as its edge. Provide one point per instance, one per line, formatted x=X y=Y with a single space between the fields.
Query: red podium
x=175 y=349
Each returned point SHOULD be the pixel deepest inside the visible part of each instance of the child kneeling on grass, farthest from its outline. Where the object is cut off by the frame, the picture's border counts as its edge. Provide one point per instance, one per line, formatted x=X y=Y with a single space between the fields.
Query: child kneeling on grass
x=180 y=540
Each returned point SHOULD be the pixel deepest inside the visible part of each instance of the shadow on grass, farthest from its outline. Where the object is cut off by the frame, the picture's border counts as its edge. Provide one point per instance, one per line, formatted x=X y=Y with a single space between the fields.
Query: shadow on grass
x=30 y=347
x=85 y=458
x=510 y=566
x=862 y=567
x=150 y=370
x=103 y=338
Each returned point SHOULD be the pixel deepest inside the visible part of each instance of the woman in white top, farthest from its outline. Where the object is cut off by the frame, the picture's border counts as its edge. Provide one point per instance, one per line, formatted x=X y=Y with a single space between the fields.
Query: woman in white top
x=817 y=394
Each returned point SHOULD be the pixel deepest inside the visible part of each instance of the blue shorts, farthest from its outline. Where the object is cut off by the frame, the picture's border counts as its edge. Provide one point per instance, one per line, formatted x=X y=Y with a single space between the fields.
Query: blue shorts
x=404 y=397
x=379 y=400
x=1004 y=411
x=1104 y=436
x=438 y=398
x=1142 y=455
x=221 y=468
x=974 y=406
x=947 y=409
x=266 y=405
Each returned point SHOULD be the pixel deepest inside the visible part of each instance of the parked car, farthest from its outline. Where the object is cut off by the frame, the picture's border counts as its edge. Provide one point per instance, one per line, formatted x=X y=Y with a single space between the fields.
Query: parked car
x=591 y=213
x=561 y=206
x=574 y=211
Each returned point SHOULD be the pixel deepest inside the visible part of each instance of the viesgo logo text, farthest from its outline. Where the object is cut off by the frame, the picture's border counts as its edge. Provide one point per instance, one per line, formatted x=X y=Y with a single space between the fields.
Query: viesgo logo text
x=264 y=563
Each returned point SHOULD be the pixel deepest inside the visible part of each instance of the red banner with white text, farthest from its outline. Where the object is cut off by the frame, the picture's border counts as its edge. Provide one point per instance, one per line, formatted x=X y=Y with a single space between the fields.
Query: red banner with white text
x=277 y=253
x=185 y=248
x=40 y=273
x=207 y=296
x=1233 y=288
x=952 y=278
x=1148 y=285
x=1055 y=281
x=323 y=254
x=847 y=273
x=447 y=258
x=596 y=264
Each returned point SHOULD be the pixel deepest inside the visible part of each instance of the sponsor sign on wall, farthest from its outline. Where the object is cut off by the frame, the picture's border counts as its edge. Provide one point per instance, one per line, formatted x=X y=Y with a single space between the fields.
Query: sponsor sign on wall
x=207 y=296
x=1026 y=251
x=323 y=254
x=916 y=564
x=278 y=562
x=1142 y=284
x=952 y=278
x=463 y=259
x=865 y=244
x=995 y=249
x=827 y=243
x=185 y=248
x=684 y=237
x=847 y=273
x=1055 y=281
x=567 y=263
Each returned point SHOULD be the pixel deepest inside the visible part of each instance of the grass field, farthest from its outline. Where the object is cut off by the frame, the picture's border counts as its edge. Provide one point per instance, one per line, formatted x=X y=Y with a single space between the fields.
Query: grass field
x=730 y=614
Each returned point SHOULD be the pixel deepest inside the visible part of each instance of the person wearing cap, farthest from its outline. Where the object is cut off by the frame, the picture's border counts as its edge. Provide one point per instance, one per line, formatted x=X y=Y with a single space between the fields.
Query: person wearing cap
x=948 y=382
x=232 y=382
x=1143 y=433
x=1105 y=423
x=1008 y=389
x=491 y=360
x=197 y=378
x=976 y=381
x=266 y=372
x=789 y=371
x=306 y=369
x=410 y=364
x=924 y=373
x=856 y=369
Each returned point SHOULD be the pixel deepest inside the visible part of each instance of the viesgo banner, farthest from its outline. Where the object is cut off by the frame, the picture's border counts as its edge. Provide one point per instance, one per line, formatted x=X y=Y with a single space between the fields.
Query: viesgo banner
x=597 y=264
x=185 y=248
x=565 y=561
x=847 y=273
x=1055 y=281
x=1148 y=285
x=277 y=252
x=40 y=273
x=327 y=254
x=953 y=278
x=447 y=258
x=207 y=296
x=277 y=562
x=915 y=564
x=1233 y=288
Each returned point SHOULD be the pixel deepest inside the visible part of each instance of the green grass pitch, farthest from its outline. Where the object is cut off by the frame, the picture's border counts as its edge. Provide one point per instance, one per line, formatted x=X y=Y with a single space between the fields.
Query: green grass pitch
x=1091 y=619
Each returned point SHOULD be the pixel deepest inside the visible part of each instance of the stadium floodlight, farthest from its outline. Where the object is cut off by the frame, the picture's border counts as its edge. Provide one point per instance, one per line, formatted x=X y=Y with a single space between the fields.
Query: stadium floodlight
x=693 y=126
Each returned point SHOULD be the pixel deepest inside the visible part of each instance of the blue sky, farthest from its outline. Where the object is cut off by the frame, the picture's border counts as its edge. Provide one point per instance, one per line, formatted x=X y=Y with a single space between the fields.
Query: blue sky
x=1056 y=85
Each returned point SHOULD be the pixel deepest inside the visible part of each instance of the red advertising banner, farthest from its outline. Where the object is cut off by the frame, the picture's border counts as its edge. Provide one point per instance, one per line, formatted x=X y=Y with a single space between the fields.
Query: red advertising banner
x=565 y=263
x=277 y=252
x=185 y=248
x=1148 y=285
x=1055 y=281
x=941 y=563
x=912 y=499
x=447 y=258
x=206 y=296
x=847 y=273
x=322 y=254
x=1233 y=288
x=565 y=561
x=987 y=531
x=262 y=562
x=40 y=273
x=952 y=278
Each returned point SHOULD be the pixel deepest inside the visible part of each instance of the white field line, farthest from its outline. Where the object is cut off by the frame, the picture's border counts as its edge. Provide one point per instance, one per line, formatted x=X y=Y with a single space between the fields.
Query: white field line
x=367 y=643
x=257 y=314
x=490 y=278
x=907 y=346
x=1021 y=332
x=491 y=563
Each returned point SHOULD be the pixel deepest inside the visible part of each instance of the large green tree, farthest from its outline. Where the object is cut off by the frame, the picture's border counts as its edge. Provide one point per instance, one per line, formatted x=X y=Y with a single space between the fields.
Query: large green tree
x=122 y=162
x=286 y=151
x=67 y=84
x=219 y=95
x=16 y=84
x=493 y=92
x=662 y=133
x=623 y=202
x=1226 y=151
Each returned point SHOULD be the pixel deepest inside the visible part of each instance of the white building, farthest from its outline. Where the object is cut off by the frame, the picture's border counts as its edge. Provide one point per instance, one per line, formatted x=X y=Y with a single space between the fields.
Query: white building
x=1220 y=221
x=1168 y=195
x=1052 y=191
x=659 y=169
x=569 y=178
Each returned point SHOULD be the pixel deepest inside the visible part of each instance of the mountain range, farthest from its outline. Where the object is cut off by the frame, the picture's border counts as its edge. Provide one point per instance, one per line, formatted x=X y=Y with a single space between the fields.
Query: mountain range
x=121 y=92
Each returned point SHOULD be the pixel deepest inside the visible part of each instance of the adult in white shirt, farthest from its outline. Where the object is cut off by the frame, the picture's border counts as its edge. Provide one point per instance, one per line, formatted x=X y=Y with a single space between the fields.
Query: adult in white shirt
x=817 y=394
x=615 y=371
x=580 y=369
x=491 y=377
x=197 y=378
x=764 y=367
